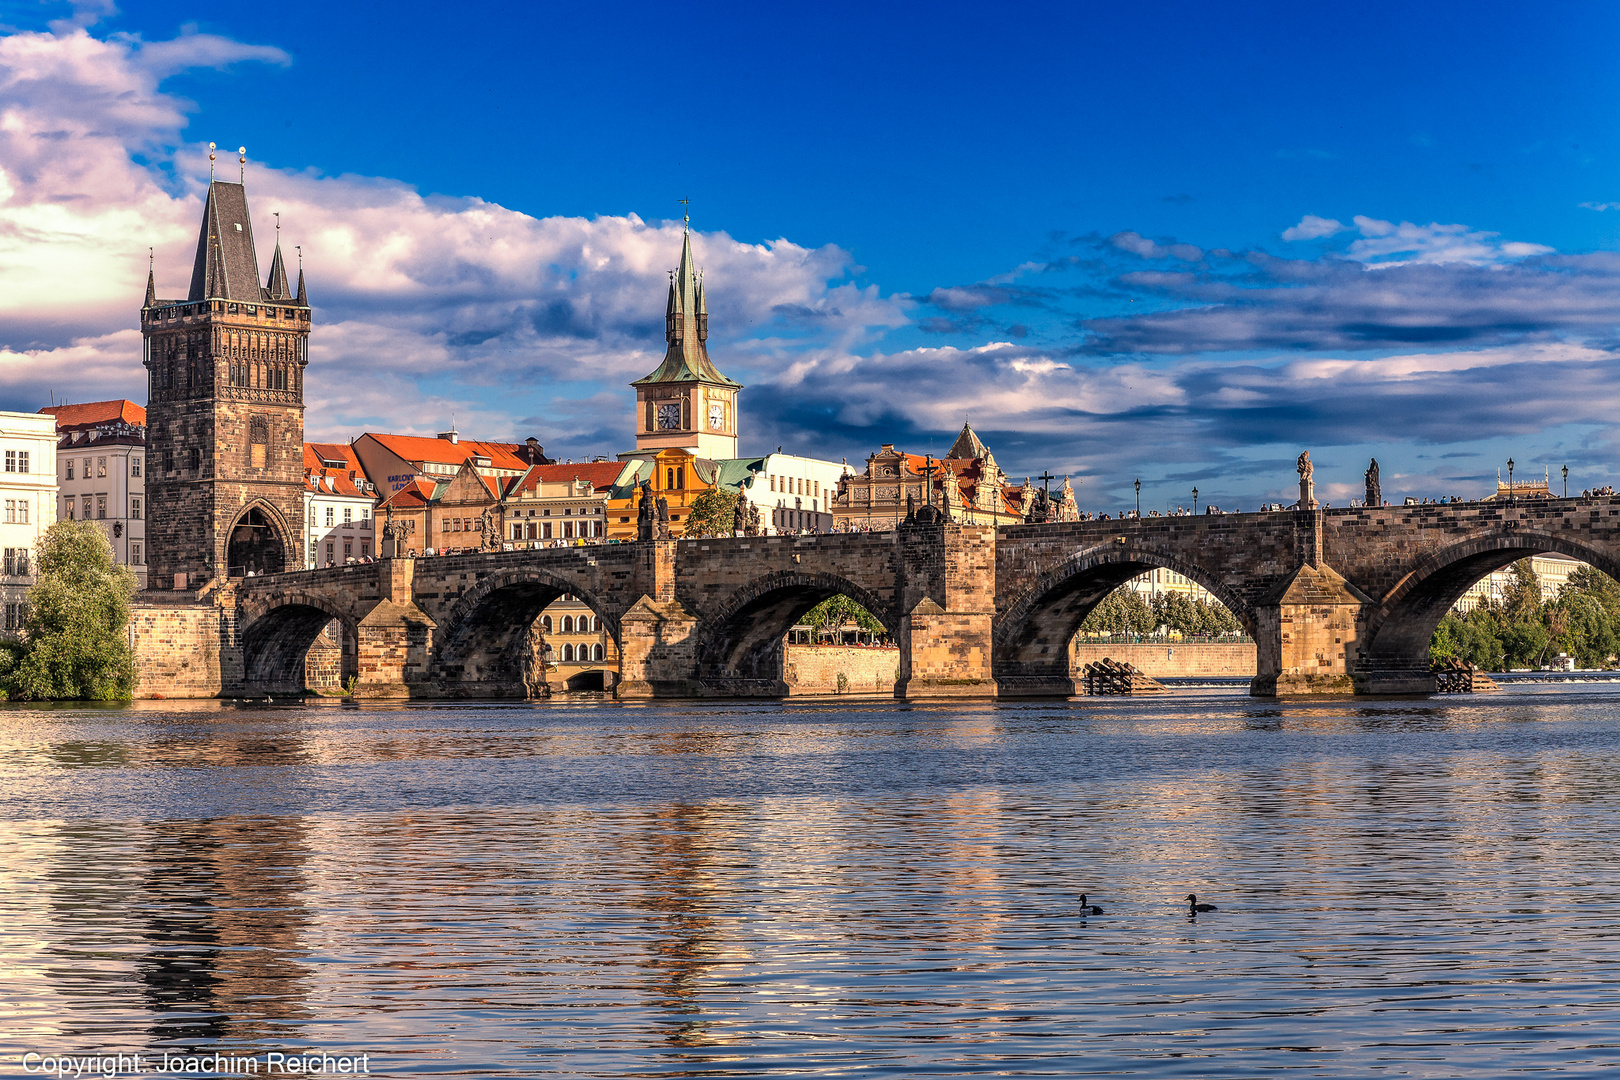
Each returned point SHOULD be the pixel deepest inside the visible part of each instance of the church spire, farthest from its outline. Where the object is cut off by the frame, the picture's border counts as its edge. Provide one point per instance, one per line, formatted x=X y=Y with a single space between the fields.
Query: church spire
x=226 y=267
x=151 y=281
x=302 y=298
x=686 y=325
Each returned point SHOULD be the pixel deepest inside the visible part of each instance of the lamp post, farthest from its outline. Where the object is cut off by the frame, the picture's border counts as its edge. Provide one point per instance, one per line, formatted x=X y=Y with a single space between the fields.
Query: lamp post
x=1566 y=481
x=1139 y=500
x=1195 y=502
x=1510 y=482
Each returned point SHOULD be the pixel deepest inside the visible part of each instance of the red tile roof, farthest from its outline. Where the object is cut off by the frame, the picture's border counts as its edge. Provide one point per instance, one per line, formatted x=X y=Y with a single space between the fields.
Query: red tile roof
x=329 y=481
x=91 y=413
x=443 y=451
x=600 y=474
x=417 y=493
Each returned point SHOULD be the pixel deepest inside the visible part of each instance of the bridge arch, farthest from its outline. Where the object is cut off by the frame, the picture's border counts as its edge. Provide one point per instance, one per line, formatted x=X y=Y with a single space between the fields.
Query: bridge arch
x=1031 y=636
x=485 y=647
x=1399 y=631
x=739 y=647
x=276 y=637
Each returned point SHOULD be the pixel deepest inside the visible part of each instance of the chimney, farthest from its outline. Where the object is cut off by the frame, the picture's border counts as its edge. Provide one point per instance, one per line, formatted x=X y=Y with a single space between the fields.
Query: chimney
x=451 y=435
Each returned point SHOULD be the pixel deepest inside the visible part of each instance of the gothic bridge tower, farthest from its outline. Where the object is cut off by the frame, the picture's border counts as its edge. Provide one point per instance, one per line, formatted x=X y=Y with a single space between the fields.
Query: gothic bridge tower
x=225 y=409
x=686 y=402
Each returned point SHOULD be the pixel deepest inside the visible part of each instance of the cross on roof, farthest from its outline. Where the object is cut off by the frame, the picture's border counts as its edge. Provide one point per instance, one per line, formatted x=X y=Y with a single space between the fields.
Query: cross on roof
x=1046 y=479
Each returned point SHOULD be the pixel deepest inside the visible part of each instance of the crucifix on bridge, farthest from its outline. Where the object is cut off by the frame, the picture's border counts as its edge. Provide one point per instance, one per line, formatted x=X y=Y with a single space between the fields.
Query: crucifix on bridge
x=928 y=473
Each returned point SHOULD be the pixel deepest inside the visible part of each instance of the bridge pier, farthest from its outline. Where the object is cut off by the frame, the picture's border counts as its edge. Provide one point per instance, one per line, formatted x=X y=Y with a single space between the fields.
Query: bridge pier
x=949 y=574
x=1307 y=635
x=392 y=640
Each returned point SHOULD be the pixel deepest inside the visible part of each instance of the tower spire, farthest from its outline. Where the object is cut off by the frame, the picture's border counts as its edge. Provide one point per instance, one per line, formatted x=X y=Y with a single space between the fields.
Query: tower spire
x=303 y=298
x=151 y=281
x=276 y=287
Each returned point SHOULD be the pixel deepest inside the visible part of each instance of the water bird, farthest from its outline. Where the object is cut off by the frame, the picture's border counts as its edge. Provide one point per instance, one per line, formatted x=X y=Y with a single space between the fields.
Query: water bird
x=1088 y=909
x=1193 y=905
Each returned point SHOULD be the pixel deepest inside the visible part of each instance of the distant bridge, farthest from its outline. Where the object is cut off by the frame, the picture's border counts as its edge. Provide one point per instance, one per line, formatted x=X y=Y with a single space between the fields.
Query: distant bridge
x=1338 y=601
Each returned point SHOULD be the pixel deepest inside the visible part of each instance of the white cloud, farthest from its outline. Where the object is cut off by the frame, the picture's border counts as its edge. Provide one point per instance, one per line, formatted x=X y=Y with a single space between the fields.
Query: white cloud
x=1384 y=243
x=1311 y=227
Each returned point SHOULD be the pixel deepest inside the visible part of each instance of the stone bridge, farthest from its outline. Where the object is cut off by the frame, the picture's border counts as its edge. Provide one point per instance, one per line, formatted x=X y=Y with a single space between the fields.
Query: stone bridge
x=1338 y=601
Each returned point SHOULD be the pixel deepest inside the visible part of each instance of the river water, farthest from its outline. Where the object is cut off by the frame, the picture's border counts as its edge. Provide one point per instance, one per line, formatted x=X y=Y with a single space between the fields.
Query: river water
x=1412 y=888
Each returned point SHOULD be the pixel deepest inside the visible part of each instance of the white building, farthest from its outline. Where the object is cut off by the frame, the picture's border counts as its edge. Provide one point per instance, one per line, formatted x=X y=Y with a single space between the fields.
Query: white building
x=1552 y=573
x=794 y=493
x=28 y=499
x=338 y=501
x=100 y=469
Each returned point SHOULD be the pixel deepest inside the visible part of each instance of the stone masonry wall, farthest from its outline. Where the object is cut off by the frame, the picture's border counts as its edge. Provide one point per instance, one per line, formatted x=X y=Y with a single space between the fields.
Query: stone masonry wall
x=867 y=669
x=1175 y=660
x=182 y=650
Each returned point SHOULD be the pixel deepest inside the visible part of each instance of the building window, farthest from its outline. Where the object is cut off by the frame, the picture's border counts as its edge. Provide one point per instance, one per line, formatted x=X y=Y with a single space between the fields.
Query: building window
x=568 y=654
x=331 y=552
x=168 y=461
x=545 y=530
x=11 y=510
x=194 y=459
x=365 y=549
x=87 y=508
x=101 y=466
x=135 y=509
x=22 y=511
x=69 y=468
x=135 y=554
x=11 y=461
x=68 y=502
x=348 y=547
x=101 y=506
x=331 y=516
x=86 y=468
x=596 y=652
x=134 y=466
x=314 y=554
x=545 y=623
x=348 y=515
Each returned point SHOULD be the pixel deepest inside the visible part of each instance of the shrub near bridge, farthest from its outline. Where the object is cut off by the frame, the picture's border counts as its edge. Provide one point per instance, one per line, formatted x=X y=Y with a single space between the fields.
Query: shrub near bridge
x=75 y=643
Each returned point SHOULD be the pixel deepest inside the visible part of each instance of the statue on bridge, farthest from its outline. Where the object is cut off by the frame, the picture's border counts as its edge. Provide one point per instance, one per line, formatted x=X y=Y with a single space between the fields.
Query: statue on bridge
x=663 y=518
x=646 y=520
x=1375 y=496
x=1307 y=487
x=492 y=539
x=753 y=526
x=394 y=534
x=739 y=516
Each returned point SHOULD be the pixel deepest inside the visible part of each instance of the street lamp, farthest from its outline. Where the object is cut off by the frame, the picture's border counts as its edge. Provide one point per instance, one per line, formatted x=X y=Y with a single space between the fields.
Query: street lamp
x=1566 y=481
x=1139 y=500
x=1195 y=502
x=1510 y=481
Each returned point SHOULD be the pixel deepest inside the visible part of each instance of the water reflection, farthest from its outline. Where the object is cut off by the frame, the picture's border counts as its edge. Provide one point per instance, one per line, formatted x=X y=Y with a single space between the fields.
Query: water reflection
x=1406 y=888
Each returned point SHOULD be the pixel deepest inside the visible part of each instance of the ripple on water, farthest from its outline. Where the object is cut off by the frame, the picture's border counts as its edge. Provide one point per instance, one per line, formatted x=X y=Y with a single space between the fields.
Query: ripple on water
x=1412 y=888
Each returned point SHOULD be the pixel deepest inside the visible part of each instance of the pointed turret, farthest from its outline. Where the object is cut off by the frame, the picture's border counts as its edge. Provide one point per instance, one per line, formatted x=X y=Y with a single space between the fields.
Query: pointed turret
x=276 y=287
x=151 y=289
x=702 y=311
x=303 y=298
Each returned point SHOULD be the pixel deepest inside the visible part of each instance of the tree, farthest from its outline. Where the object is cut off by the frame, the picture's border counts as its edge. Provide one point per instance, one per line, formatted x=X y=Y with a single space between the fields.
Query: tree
x=1122 y=611
x=835 y=611
x=75 y=643
x=712 y=513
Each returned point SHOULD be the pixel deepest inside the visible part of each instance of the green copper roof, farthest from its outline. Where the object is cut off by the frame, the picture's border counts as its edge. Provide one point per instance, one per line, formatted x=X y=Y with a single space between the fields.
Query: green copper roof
x=686 y=359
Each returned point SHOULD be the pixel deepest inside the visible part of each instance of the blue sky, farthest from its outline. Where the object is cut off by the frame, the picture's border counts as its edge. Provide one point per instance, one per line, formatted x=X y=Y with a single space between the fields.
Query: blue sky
x=1174 y=241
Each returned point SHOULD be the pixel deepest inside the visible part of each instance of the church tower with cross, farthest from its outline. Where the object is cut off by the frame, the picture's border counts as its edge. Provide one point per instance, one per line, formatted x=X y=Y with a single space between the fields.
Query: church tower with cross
x=686 y=403
x=225 y=409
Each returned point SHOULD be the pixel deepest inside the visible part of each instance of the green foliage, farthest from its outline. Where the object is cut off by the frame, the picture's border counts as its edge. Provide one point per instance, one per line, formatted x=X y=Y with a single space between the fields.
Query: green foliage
x=1523 y=631
x=712 y=514
x=1120 y=612
x=835 y=611
x=75 y=643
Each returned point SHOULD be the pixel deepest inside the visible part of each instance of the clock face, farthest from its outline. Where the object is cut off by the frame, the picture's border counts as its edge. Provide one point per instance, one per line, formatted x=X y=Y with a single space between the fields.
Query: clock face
x=717 y=417
x=669 y=417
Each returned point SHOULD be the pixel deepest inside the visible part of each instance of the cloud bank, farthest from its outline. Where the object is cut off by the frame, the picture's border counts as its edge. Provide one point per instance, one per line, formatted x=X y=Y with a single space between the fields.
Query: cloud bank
x=1104 y=357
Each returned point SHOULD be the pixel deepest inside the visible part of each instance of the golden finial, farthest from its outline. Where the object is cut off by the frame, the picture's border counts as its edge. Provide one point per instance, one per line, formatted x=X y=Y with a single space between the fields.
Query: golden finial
x=210 y=163
x=242 y=160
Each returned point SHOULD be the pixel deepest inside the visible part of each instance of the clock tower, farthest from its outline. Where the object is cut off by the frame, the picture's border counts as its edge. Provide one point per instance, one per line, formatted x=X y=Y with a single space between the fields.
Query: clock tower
x=687 y=403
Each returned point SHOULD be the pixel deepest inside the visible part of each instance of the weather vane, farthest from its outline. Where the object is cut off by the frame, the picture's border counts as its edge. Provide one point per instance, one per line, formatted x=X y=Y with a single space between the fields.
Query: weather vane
x=277 y=215
x=210 y=163
x=687 y=217
x=242 y=161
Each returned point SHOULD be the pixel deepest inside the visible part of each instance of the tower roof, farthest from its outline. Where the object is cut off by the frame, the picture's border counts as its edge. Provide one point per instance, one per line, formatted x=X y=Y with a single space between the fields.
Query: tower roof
x=276 y=287
x=967 y=445
x=226 y=266
x=686 y=330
